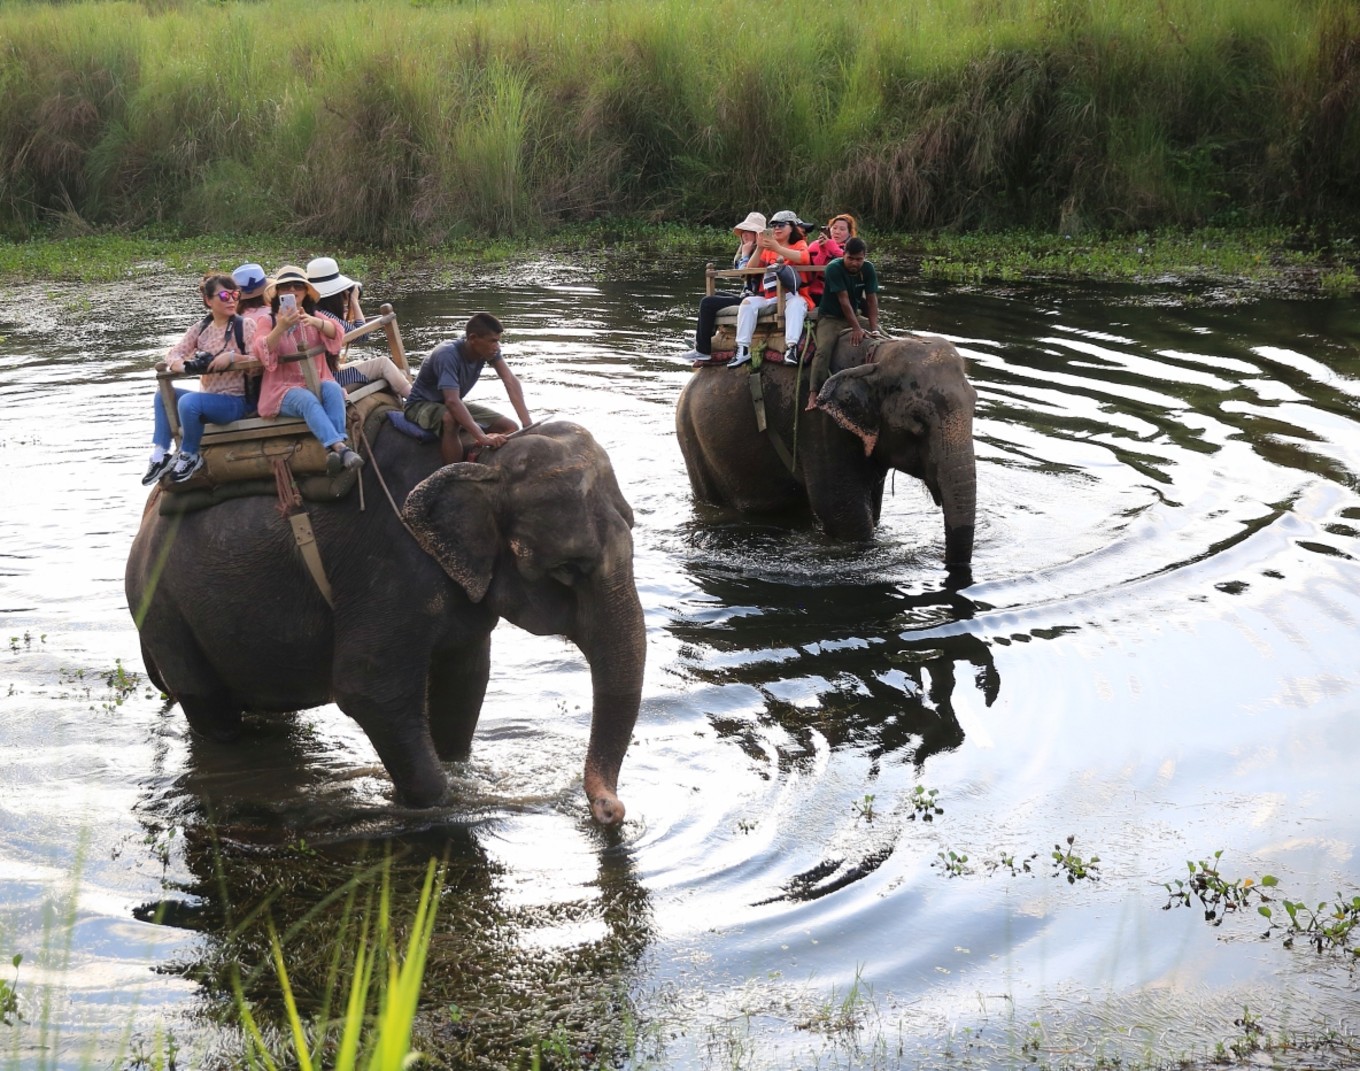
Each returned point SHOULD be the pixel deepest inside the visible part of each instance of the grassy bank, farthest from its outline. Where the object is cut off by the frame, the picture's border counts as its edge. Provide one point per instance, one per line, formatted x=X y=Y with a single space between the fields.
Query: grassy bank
x=1259 y=258
x=428 y=121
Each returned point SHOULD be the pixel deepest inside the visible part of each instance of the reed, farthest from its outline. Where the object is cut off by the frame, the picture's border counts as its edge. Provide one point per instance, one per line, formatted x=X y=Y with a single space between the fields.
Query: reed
x=429 y=121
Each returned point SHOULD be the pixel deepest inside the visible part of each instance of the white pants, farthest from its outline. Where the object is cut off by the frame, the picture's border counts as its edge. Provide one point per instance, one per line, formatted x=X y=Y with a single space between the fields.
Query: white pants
x=382 y=368
x=795 y=311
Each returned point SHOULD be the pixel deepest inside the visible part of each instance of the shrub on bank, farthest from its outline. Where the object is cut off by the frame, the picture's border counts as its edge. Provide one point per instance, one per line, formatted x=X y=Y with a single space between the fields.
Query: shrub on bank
x=384 y=123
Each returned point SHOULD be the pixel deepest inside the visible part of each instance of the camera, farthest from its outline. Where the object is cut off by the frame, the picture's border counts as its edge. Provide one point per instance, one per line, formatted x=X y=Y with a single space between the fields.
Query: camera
x=198 y=363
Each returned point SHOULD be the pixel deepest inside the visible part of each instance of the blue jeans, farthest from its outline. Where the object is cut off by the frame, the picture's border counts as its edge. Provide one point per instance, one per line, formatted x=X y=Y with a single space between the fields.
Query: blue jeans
x=196 y=408
x=326 y=417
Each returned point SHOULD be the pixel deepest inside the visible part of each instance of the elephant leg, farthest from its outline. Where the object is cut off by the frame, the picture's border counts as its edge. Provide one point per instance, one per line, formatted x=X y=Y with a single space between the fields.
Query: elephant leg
x=844 y=507
x=453 y=696
x=395 y=725
x=185 y=675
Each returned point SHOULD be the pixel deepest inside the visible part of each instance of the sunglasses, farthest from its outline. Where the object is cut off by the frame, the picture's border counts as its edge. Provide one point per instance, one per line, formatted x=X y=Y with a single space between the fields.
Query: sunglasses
x=228 y=295
x=291 y=286
x=776 y=226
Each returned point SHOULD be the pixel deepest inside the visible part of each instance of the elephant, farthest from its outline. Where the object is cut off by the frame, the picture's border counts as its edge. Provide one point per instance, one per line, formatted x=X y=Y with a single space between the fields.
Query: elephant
x=536 y=531
x=900 y=403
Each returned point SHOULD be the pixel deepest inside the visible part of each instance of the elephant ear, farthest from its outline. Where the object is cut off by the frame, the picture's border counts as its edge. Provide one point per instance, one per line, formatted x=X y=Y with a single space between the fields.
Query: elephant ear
x=451 y=515
x=849 y=399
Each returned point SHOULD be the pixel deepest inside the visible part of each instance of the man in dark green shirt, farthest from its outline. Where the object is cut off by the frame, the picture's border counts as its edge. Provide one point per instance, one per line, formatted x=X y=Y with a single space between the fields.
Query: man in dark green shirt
x=851 y=292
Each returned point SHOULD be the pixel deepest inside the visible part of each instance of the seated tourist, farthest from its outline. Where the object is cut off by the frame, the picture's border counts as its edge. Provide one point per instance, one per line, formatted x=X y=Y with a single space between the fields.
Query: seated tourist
x=747 y=231
x=339 y=299
x=785 y=244
x=297 y=327
x=254 y=286
x=838 y=230
x=216 y=343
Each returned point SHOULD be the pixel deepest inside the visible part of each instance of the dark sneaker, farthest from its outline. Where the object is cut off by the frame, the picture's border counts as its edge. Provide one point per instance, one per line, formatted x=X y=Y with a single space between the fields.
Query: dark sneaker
x=157 y=469
x=351 y=460
x=742 y=356
x=185 y=467
x=791 y=355
x=335 y=464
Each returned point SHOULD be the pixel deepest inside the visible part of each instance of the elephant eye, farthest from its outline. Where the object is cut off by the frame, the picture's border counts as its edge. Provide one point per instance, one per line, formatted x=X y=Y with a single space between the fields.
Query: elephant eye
x=571 y=571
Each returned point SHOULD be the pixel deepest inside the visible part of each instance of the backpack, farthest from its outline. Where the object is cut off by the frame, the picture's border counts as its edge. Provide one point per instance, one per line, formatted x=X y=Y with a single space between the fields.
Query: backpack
x=249 y=383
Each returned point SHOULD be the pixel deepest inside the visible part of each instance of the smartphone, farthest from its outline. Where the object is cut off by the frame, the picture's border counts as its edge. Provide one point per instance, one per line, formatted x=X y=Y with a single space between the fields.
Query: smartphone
x=287 y=301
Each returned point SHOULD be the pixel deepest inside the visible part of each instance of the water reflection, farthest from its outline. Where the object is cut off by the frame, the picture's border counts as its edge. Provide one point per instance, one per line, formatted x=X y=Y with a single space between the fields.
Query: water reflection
x=1168 y=498
x=529 y=944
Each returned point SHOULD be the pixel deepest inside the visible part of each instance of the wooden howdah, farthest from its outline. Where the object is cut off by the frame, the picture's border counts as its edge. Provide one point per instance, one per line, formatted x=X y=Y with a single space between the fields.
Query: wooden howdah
x=769 y=333
x=247 y=449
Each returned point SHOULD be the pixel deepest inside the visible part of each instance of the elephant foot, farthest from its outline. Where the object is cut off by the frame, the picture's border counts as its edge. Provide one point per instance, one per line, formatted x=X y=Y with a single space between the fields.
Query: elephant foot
x=211 y=720
x=424 y=795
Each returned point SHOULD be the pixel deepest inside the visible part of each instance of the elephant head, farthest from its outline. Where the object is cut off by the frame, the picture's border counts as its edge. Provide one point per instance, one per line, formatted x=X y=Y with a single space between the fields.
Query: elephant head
x=541 y=535
x=912 y=408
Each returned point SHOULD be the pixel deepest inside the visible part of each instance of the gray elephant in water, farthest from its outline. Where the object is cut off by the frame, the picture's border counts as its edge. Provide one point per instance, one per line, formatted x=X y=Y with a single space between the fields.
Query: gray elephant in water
x=539 y=534
x=909 y=406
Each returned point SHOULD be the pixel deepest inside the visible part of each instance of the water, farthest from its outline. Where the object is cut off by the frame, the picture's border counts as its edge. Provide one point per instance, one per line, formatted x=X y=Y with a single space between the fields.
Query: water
x=1157 y=659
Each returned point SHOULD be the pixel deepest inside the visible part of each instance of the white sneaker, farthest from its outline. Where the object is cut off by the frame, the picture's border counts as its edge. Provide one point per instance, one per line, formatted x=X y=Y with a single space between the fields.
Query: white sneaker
x=743 y=355
x=185 y=466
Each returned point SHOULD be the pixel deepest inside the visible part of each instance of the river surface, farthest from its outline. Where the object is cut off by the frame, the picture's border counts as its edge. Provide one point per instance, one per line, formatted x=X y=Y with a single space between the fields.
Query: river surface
x=1159 y=660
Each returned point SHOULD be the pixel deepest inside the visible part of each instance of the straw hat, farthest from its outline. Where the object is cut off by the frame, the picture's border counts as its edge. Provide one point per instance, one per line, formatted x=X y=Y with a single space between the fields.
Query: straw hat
x=251 y=279
x=324 y=274
x=291 y=273
x=753 y=222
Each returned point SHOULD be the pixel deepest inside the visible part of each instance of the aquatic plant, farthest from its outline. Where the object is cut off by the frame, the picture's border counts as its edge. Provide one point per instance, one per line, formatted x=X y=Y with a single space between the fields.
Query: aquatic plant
x=1218 y=896
x=9 y=994
x=1326 y=927
x=952 y=863
x=1069 y=863
x=923 y=805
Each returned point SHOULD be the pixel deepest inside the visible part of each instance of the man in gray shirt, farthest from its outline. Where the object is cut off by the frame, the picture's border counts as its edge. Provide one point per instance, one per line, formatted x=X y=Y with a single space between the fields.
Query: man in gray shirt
x=448 y=373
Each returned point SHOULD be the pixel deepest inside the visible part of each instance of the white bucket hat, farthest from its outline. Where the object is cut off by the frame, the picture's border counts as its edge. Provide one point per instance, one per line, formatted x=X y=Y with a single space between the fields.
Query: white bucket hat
x=324 y=274
x=753 y=222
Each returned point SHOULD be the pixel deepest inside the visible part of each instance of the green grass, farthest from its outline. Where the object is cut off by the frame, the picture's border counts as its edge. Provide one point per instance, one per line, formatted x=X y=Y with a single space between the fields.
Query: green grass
x=429 y=121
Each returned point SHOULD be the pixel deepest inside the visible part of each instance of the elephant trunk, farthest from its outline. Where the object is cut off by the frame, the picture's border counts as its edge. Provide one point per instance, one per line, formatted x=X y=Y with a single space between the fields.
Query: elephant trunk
x=612 y=635
x=956 y=476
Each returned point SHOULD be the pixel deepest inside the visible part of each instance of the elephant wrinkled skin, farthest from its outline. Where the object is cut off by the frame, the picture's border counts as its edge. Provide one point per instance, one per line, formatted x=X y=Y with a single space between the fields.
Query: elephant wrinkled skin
x=539 y=533
x=909 y=408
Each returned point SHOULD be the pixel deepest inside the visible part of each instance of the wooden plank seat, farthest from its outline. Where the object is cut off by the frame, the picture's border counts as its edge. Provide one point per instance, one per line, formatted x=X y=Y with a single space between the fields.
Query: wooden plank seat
x=261 y=428
x=769 y=332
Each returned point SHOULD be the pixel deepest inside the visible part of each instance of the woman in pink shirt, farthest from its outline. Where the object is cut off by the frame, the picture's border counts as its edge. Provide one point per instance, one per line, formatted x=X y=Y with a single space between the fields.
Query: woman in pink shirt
x=284 y=388
x=215 y=344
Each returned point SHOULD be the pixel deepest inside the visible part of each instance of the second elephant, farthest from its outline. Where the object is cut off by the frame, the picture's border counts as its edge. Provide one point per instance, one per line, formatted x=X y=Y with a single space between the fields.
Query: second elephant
x=908 y=408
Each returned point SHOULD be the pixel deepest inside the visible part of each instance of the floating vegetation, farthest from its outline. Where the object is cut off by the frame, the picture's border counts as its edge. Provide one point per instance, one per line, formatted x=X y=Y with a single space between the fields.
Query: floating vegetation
x=1067 y=862
x=923 y=805
x=1326 y=927
x=1218 y=896
x=864 y=808
x=953 y=864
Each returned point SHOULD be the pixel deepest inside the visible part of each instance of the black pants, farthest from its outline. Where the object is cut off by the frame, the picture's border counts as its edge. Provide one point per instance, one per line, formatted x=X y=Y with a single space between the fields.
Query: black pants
x=709 y=307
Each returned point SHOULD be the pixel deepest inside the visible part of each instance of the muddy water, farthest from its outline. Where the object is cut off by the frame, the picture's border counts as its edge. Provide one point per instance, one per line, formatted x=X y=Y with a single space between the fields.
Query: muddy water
x=1158 y=660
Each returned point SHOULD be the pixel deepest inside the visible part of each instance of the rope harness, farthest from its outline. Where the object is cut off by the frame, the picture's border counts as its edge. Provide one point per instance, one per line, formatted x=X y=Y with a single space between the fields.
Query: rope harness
x=754 y=381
